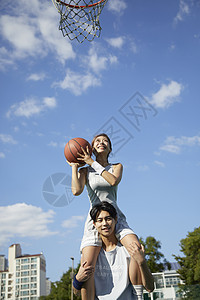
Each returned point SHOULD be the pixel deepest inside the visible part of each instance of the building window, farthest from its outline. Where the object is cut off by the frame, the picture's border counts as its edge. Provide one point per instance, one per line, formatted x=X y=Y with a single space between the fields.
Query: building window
x=33 y=279
x=25 y=286
x=24 y=293
x=158 y=295
x=25 y=267
x=172 y=281
x=33 y=292
x=17 y=262
x=159 y=281
x=34 y=266
x=33 y=285
x=25 y=279
x=34 y=272
x=33 y=259
x=25 y=260
x=25 y=273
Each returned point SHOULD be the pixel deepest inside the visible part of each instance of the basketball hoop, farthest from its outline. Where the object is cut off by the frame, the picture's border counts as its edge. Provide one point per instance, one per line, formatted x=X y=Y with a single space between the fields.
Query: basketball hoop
x=79 y=19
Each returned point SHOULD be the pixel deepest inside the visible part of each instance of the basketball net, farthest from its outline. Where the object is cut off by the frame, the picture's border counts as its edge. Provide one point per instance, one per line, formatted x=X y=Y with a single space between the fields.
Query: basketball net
x=79 y=19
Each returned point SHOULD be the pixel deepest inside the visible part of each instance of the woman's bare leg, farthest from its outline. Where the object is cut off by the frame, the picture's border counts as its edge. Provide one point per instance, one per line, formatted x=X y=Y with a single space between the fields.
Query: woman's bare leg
x=89 y=255
x=134 y=271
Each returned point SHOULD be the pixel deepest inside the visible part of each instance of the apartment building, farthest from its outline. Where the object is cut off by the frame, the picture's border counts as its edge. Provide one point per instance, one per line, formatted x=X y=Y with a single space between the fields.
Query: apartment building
x=24 y=278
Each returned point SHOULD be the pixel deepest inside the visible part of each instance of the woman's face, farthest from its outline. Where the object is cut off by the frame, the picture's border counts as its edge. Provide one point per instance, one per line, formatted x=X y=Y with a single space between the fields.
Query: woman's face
x=101 y=144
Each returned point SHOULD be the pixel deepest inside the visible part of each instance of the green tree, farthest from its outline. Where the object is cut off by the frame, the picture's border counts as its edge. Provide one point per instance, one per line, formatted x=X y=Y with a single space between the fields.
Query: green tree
x=155 y=259
x=190 y=265
x=61 y=290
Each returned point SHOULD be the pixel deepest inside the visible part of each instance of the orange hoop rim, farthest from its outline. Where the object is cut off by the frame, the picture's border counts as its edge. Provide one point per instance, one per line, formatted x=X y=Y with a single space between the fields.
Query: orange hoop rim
x=79 y=6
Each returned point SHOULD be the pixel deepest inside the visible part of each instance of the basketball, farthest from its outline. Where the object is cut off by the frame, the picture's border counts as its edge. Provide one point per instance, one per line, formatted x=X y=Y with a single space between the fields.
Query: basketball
x=74 y=146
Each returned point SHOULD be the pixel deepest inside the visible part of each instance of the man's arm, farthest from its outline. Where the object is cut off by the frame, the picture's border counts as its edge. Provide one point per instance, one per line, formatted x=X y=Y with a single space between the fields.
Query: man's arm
x=84 y=273
x=138 y=255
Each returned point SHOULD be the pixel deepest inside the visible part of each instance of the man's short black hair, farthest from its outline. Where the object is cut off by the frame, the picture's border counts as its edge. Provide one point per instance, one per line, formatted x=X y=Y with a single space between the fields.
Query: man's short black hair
x=105 y=206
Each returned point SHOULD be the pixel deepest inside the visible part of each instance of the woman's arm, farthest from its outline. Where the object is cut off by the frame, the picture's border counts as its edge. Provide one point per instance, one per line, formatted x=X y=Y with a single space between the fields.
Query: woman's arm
x=113 y=179
x=78 y=179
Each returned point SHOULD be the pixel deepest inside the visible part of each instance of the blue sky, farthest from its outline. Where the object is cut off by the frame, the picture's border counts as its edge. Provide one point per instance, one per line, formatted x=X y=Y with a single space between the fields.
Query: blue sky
x=139 y=82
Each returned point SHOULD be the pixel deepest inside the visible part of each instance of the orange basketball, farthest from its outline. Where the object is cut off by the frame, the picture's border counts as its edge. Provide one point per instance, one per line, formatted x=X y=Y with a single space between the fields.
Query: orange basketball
x=74 y=146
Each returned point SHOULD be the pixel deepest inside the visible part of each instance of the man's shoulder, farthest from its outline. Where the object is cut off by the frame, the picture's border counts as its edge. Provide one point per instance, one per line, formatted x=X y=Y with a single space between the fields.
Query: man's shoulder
x=121 y=248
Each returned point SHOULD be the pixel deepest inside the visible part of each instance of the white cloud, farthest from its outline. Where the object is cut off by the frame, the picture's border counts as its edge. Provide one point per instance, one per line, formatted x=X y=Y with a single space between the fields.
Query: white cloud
x=7 y=139
x=32 y=31
x=117 y=42
x=133 y=46
x=170 y=148
x=183 y=11
x=16 y=129
x=21 y=34
x=52 y=37
x=175 y=145
x=159 y=163
x=37 y=76
x=49 y=102
x=56 y=144
x=53 y=144
x=5 y=60
x=72 y=222
x=167 y=95
x=2 y=155
x=78 y=83
x=96 y=62
x=143 y=168
x=23 y=220
x=117 y=6
x=30 y=107
x=172 y=47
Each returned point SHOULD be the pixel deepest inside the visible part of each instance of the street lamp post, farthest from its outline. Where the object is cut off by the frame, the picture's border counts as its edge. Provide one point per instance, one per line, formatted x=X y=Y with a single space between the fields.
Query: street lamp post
x=72 y=276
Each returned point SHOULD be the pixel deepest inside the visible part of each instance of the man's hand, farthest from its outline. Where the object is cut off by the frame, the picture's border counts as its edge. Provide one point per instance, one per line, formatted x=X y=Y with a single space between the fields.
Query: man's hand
x=84 y=273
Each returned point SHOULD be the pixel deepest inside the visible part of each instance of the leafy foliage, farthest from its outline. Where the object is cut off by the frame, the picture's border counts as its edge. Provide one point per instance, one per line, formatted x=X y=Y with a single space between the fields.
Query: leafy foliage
x=190 y=292
x=61 y=290
x=155 y=259
x=190 y=265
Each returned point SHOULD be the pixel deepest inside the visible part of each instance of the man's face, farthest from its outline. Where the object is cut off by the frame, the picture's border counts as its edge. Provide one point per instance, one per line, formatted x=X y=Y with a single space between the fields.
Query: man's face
x=105 y=224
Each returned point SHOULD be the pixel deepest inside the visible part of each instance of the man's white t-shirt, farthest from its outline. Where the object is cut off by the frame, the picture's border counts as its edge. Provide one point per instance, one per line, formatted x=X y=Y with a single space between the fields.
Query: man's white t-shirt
x=111 y=275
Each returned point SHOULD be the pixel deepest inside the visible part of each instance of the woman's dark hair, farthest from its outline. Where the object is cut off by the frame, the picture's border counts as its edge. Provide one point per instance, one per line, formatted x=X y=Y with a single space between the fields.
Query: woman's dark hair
x=105 y=135
x=103 y=206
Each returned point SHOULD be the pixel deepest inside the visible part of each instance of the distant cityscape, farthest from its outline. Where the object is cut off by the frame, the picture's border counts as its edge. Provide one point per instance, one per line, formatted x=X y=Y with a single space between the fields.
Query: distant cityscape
x=23 y=277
